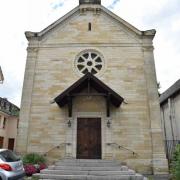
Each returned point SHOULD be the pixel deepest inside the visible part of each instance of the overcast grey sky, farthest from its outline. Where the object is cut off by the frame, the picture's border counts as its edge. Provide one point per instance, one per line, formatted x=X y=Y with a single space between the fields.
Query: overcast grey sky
x=19 y=16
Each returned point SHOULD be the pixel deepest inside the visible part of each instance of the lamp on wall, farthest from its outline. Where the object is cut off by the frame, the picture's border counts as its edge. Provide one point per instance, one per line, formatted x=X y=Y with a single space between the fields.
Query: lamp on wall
x=108 y=123
x=69 y=123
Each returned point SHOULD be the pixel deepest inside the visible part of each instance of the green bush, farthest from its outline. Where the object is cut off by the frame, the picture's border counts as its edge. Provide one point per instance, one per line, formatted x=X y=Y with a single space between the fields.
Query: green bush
x=33 y=158
x=175 y=165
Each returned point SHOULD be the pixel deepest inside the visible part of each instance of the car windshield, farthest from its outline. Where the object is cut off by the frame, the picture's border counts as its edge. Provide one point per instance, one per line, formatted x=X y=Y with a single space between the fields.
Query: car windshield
x=8 y=156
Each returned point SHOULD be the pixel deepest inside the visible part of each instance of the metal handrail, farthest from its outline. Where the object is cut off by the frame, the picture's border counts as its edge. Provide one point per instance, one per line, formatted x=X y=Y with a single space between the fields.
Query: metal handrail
x=56 y=147
x=122 y=147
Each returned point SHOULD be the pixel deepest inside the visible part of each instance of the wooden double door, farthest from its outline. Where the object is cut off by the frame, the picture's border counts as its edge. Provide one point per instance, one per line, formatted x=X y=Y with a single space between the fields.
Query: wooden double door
x=88 y=138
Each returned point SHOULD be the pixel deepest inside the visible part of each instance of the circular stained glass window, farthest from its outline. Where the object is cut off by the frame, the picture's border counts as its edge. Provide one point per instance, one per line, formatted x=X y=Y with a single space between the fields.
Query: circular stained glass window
x=89 y=61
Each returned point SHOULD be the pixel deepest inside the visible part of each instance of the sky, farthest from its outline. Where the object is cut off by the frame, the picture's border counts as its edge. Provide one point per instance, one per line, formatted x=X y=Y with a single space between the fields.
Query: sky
x=19 y=16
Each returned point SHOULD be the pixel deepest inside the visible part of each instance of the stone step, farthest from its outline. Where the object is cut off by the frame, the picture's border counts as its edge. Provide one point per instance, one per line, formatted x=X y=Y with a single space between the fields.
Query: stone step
x=72 y=169
x=87 y=164
x=95 y=173
x=88 y=160
x=85 y=177
x=78 y=168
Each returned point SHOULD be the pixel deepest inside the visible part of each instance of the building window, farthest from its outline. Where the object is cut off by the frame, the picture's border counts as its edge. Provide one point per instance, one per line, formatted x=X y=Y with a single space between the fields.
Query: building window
x=4 y=123
x=10 y=108
x=1 y=142
x=11 y=144
x=4 y=105
x=89 y=61
x=89 y=27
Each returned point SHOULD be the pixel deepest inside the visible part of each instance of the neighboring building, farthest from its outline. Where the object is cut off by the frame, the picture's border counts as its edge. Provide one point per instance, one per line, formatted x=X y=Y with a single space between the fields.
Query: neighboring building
x=9 y=119
x=90 y=88
x=1 y=76
x=170 y=113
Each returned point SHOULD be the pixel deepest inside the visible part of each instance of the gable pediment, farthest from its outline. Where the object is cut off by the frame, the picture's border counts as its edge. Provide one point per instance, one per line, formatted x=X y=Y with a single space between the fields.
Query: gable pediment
x=106 y=27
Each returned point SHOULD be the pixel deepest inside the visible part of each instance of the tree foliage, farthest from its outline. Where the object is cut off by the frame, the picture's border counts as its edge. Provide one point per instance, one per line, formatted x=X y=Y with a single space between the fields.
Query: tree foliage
x=175 y=165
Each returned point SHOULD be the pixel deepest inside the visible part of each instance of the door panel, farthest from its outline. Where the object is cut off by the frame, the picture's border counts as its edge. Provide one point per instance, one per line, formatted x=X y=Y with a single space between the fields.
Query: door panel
x=89 y=138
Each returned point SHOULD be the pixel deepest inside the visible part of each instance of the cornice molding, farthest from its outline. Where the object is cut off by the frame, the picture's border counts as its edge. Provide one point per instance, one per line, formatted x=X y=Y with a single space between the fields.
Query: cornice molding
x=33 y=49
x=148 y=48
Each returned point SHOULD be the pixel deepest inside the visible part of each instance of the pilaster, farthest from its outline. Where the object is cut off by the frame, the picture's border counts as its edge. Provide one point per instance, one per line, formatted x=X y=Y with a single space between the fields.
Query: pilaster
x=22 y=136
x=159 y=161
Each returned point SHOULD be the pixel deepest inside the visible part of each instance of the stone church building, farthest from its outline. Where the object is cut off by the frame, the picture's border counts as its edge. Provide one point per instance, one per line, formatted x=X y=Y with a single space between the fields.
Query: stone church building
x=90 y=91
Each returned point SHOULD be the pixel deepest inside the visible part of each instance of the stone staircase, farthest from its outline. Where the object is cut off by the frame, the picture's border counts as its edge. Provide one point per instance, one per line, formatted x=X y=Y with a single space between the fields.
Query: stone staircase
x=75 y=169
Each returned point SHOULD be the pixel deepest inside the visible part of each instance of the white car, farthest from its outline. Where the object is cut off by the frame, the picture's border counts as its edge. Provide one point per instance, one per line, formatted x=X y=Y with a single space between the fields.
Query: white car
x=11 y=167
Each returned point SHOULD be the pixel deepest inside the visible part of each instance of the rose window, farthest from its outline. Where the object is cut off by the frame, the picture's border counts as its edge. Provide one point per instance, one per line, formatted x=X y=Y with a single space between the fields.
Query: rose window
x=89 y=61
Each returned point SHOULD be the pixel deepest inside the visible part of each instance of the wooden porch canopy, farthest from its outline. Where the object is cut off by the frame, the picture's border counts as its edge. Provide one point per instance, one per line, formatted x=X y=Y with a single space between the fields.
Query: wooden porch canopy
x=89 y=82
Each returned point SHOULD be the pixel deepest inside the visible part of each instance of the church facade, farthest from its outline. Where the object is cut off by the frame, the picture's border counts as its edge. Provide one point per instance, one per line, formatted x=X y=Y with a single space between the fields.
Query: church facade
x=90 y=91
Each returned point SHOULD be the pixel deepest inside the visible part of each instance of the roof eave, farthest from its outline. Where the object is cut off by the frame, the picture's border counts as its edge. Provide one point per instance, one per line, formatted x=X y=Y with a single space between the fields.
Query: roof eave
x=61 y=99
x=31 y=35
x=149 y=33
x=170 y=92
